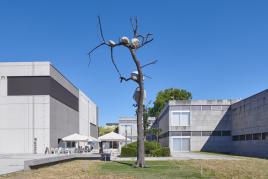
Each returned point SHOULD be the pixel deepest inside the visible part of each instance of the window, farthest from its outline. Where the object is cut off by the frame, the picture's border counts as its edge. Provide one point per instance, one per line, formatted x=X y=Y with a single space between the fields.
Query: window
x=216 y=133
x=224 y=108
x=242 y=137
x=70 y=144
x=196 y=133
x=183 y=108
x=265 y=135
x=216 y=108
x=248 y=136
x=181 y=144
x=206 y=133
x=180 y=119
x=186 y=133
x=257 y=136
x=196 y=108
x=226 y=133
x=235 y=138
x=126 y=130
x=206 y=108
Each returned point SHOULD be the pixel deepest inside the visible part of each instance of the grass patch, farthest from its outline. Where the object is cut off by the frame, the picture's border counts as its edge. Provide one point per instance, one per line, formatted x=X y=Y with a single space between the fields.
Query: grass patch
x=246 y=168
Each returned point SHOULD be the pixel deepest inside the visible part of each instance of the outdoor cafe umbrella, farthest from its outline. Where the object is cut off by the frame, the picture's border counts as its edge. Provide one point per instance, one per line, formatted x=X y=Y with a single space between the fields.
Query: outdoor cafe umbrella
x=92 y=139
x=112 y=136
x=76 y=137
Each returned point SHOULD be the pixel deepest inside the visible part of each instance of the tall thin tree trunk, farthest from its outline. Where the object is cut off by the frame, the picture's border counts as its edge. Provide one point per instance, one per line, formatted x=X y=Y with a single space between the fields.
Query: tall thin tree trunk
x=140 y=141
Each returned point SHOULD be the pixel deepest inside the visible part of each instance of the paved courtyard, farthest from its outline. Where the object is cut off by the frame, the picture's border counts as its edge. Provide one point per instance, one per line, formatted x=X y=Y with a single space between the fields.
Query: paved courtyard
x=15 y=162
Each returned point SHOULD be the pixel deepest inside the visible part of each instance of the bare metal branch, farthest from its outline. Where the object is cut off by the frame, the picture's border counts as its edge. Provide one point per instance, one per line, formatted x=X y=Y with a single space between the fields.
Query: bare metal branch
x=147 y=76
x=134 y=25
x=91 y=51
x=124 y=79
x=112 y=57
x=146 y=42
x=151 y=63
x=101 y=32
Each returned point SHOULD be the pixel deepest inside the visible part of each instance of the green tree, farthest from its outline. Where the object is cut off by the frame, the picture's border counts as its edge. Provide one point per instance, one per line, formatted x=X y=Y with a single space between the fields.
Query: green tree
x=164 y=96
x=105 y=130
x=145 y=120
x=156 y=132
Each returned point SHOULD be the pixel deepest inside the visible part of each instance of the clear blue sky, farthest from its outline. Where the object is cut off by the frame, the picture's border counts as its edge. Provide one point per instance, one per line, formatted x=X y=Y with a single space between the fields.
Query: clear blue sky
x=215 y=49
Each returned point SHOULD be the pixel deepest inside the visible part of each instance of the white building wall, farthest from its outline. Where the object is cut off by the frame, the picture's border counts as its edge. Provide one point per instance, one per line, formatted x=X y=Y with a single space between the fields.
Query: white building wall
x=87 y=114
x=84 y=122
x=93 y=113
x=24 y=69
x=23 y=118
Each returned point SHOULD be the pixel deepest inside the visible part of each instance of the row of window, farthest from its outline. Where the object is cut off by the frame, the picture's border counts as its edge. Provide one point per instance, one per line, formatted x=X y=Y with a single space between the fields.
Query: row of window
x=196 y=133
x=256 y=136
x=253 y=104
x=203 y=107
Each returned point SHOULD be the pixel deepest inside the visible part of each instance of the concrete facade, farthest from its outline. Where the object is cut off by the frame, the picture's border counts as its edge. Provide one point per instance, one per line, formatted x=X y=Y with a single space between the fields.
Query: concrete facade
x=250 y=126
x=32 y=116
x=196 y=125
x=229 y=126
x=128 y=127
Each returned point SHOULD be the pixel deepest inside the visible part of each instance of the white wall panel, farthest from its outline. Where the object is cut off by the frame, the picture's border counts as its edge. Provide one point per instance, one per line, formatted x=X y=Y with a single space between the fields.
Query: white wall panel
x=24 y=68
x=18 y=115
x=87 y=114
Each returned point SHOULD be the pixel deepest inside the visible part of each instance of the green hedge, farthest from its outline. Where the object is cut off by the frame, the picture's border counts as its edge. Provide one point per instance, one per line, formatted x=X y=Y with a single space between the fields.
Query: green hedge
x=128 y=152
x=152 y=148
x=161 y=152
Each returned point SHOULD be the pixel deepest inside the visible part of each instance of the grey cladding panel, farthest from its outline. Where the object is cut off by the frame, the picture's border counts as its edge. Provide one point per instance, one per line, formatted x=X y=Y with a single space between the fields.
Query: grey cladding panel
x=94 y=130
x=41 y=85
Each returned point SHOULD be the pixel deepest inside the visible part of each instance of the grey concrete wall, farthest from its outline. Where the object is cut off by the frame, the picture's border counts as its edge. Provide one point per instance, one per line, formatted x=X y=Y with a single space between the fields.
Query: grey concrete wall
x=212 y=117
x=250 y=116
x=63 y=121
x=163 y=121
x=54 y=73
x=94 y=131
x=131 y=124
x=40 y=118
x=164 y=141
x=208 y=116
x=211 y=143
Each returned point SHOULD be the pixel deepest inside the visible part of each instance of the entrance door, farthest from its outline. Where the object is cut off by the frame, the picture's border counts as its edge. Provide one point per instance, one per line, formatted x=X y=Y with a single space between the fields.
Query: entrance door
x=181 y=144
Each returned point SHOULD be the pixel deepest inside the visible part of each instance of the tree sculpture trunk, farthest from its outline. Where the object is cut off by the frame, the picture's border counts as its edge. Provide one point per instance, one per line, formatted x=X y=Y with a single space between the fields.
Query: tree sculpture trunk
x=140 y=141
x=138 y=41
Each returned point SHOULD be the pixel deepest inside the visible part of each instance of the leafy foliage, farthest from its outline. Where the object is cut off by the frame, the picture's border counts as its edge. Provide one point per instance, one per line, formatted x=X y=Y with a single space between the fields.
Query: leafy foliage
x=164 y=96
x=161 y=152
x=130 y=150
x=145 y=120
x=156 y=132
x=106 y=130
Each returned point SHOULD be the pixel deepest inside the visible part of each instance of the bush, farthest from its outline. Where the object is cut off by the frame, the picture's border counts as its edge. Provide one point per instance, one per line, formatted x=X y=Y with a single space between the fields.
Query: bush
x=161 y=152
x=131 y=145
x=150 y=146
x=128 y=152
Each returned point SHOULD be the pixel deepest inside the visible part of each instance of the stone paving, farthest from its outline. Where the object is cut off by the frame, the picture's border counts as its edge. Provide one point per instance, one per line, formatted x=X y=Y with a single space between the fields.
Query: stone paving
x=15 y=162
